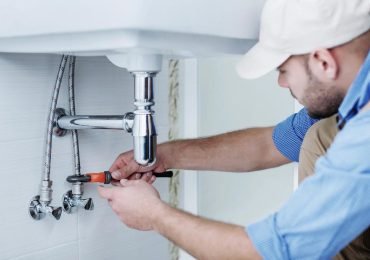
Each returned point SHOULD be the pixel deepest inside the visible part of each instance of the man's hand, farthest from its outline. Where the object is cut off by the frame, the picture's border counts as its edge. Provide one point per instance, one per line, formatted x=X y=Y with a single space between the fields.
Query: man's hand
x=136 y=203
x=125 y=167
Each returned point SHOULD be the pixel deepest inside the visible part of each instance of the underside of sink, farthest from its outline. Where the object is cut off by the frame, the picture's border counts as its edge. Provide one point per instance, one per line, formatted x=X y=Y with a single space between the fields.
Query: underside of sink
x=176 y=28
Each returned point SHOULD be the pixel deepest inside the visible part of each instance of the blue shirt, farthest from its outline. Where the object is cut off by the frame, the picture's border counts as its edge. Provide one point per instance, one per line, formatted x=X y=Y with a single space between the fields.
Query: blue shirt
x=288 y=135
x=332 y=207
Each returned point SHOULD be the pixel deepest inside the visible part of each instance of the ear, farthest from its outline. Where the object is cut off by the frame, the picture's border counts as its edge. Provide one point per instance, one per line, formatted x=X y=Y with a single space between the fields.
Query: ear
x=323 y=64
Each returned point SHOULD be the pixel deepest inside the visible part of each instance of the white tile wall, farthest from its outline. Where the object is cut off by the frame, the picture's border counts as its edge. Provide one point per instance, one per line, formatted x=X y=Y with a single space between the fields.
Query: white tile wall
x=227 y=103
x=26 y=83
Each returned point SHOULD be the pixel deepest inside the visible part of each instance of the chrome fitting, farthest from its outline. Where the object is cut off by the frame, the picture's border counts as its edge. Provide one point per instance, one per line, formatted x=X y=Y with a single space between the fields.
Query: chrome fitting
x=72 y=202
x=59 y=112
x=77 y=189
x=46 y=192
x=39 y=209
x=128 y=121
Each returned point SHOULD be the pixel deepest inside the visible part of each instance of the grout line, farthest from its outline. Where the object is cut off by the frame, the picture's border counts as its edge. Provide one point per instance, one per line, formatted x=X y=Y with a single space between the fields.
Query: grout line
x=78 y=236
x=44 y=250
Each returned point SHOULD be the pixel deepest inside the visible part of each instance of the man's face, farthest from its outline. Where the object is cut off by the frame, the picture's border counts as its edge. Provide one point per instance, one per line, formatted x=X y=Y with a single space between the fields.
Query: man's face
x=320 y=99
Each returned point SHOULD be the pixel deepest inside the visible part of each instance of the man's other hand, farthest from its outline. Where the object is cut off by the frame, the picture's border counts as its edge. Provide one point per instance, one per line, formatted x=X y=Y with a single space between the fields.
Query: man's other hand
x=136 y=203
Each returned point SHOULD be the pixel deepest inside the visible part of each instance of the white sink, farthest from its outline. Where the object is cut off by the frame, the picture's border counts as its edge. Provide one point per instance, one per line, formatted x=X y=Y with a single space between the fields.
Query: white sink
x=183 y=28
x=90 y=27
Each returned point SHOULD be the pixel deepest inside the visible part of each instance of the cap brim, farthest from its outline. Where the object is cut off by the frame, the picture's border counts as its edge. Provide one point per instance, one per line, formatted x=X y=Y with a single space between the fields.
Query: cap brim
x=259 y=61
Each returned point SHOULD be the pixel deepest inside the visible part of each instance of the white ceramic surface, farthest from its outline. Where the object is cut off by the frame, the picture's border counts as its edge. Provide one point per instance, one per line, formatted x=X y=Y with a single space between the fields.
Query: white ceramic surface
x=92 y=27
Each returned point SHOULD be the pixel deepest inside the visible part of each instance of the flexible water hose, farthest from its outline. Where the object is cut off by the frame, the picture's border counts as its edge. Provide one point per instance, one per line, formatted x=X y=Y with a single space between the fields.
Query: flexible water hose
x=72 y=108
x=51 y=118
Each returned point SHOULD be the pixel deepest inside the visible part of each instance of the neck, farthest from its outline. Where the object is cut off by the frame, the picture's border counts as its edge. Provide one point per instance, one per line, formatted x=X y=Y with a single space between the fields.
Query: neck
x=350 y=66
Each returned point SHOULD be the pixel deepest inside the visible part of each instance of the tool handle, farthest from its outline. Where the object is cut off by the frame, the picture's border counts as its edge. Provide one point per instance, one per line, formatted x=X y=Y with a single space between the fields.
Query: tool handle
x=102 y=177
x=106 y=177
x=167 y=174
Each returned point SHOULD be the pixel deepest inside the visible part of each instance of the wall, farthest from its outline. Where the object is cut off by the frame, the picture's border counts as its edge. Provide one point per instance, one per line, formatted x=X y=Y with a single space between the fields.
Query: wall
x=26 y=83
x=226 y=103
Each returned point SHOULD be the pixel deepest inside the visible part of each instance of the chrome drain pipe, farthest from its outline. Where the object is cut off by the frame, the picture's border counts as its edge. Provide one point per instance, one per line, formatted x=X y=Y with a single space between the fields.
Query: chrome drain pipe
x=144 y=132
x=140 y=122
x=115 y=122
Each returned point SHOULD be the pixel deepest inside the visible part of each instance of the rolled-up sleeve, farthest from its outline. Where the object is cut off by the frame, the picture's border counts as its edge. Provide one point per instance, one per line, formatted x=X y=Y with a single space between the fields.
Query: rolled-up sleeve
x=329 y=209
x=288 y=135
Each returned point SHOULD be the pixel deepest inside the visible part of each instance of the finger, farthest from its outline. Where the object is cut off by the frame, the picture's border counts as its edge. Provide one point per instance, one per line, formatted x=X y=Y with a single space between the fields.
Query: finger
x=106 y=193
x=126 y=183
x=116 y=175
x=146 y=177
x=152 y=179
x=116 y=183
x=135 y=176
x=123 y=169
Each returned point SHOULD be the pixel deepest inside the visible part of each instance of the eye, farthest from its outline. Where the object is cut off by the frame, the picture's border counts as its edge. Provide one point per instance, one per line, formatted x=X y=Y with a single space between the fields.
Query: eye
x=281 y=69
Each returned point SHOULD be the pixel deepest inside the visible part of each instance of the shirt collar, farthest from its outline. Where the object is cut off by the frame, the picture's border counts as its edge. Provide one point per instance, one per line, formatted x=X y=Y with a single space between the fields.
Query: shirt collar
x=358 y=94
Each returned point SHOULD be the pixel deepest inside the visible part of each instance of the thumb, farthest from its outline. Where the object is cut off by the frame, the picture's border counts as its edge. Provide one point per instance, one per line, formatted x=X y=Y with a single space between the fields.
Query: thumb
x=125 y=171
x=105 y=193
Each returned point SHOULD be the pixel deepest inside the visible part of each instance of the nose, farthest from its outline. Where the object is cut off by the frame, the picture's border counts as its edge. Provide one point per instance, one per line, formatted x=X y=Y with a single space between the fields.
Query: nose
x=282 y=81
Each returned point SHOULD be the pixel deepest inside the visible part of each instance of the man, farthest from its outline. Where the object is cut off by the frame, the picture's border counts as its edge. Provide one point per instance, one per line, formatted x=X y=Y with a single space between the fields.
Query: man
x=316 y=143
x=319 y=48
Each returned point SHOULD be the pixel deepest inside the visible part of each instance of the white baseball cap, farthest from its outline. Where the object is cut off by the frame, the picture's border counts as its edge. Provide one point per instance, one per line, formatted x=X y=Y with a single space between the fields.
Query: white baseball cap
x=293 y=27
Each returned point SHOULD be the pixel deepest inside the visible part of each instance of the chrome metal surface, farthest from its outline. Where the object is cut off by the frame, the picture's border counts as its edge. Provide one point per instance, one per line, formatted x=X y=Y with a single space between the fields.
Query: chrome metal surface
x=144 y=88
x=91 y=122
x=59 y=112
x=72 y=202
x=128 y=121
x=144 y=151
x=72 y=108
x=140 y=122
x=35 y=209
x=46 y=191
x=39 y=209
x=145 y=138
x=143 y=131
x=77 y=188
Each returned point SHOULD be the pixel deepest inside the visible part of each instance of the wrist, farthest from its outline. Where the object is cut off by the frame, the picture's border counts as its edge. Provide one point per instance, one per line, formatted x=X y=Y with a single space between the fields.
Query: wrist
x=159 y=215
x=165 y=154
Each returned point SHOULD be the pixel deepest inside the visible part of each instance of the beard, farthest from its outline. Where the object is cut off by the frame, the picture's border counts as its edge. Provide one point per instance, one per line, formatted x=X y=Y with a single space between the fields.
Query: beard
x=323 y=104
x=321 y=100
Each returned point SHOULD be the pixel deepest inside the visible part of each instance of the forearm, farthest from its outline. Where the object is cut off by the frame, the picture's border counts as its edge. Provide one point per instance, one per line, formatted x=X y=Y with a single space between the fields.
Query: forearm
x=238 y=151
x=202 y=238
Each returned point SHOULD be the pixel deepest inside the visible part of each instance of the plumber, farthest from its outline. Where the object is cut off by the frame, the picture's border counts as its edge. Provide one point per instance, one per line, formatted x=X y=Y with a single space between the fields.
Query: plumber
x=321 y=51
